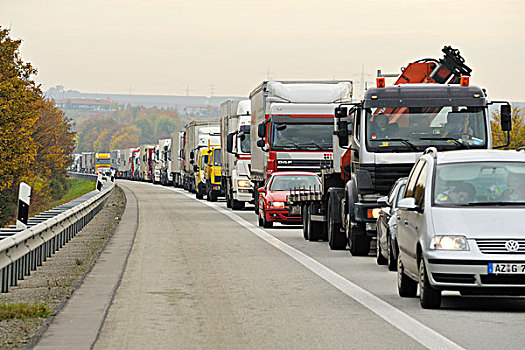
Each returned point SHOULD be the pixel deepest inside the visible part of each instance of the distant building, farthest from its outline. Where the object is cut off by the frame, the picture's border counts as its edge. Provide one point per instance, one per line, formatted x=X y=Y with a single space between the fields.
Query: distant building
x=85 y=104
x=202 y=111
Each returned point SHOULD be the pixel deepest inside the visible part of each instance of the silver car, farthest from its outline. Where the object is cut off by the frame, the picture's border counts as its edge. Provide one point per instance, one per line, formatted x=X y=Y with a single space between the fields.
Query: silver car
x=460 y=225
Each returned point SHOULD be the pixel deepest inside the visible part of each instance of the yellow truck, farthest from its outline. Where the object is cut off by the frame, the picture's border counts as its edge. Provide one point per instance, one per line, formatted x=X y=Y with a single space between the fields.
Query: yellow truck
x=102 y=163
x=214 y=186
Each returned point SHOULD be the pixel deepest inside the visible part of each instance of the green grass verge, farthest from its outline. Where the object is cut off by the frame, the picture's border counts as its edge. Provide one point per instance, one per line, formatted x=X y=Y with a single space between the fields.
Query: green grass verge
x=77 y=188
x=23 y=311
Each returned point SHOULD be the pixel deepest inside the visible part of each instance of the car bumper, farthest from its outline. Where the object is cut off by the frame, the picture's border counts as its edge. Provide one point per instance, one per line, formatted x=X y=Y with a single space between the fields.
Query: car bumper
x=450 y=272
x=281 y=215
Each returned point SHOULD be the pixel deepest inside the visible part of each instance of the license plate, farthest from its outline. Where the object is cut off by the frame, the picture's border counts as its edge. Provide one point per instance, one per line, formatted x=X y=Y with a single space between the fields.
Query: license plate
x=506 y=268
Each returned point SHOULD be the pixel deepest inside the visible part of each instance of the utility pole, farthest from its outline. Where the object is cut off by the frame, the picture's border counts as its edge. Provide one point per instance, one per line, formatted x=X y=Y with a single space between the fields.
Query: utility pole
x=268 y=74
x=187 y=90
x=212 y=88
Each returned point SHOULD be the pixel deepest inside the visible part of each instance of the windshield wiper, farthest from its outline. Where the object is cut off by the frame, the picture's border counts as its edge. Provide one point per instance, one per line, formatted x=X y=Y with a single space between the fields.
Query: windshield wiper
x=464 y=145
x=313 y=143
x=494 y=203
x=288 y=144
x=405 y=141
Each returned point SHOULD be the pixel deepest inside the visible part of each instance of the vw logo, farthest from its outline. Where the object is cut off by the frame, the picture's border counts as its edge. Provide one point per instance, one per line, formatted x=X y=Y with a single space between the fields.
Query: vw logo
x=512 y=246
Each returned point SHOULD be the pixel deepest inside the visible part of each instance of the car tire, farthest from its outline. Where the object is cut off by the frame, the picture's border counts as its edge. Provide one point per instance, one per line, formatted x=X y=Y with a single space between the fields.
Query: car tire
x=392 y=262
x=358 y=241
x=336 y=239
x=380 y=259
x=406 y=287
x=260 y=220
x=429 y=297
x=237 y=205
x=304 y=218
x=266 y=224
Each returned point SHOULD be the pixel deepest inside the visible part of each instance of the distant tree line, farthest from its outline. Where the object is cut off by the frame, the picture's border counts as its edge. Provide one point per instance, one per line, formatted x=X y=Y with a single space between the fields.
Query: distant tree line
x=36 y=139
x=126 y=128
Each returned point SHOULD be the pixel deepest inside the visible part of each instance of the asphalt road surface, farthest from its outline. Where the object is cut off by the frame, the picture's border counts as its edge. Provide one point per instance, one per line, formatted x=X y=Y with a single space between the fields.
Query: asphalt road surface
x=203 y=277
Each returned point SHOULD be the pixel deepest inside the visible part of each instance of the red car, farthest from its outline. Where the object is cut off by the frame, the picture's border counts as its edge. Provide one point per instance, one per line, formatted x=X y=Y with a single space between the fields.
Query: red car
x=272 y=197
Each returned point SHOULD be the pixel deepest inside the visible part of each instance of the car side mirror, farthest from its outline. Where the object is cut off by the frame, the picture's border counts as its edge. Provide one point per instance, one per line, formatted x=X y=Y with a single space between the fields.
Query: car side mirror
x=261 y=143
x=261 y=190
x=383 y=201
x=506 y=118
x=261 y=130
x=229 y=143
x=407 y=203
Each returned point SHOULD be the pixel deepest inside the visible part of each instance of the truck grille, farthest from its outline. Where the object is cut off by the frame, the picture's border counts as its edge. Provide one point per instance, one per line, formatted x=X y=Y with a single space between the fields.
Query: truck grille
x=385 y=175
x=311 y=165
x=499 y=246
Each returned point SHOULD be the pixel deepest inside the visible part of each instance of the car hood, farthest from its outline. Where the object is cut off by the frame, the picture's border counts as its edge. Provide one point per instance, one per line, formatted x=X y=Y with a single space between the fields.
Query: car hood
x=278 y=196
x=478 y=222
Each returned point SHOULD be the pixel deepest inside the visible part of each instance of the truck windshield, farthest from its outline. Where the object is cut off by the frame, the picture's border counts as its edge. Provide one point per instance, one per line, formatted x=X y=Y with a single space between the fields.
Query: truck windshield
x=412 y=129
x=290 y=182
x=480 y=184
x=217 y=157
x=309 y=137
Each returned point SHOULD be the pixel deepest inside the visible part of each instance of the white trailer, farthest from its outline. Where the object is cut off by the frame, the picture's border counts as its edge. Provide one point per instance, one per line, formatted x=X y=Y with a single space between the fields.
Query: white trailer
x=198 y=135
x=177 y=157
x=235 y=144
x=162 y=174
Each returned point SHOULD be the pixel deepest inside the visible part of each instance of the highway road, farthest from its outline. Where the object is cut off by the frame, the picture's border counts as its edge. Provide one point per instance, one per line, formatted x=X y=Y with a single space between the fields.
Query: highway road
x=201 y=276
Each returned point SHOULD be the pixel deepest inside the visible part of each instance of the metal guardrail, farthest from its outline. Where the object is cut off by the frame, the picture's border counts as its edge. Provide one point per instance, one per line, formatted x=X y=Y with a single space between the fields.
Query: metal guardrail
x=22 y=251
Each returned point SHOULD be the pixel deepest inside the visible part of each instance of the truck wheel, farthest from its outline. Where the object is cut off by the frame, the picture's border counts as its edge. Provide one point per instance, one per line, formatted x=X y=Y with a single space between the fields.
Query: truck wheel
x=336 y=239
x=315 y=228
x=266 y=224
x=237 y=205
x=380 y=259
x=228 y=202
x=304 y=219
x=256 y=203
x=392 y=262
x=199 y=195
x=406 y=287
x=212 y=196
x=429 y=297
x=358 y=241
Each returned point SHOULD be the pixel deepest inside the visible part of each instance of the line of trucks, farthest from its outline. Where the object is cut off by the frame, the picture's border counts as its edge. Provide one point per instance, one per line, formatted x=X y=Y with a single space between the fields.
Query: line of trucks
x=358 y=148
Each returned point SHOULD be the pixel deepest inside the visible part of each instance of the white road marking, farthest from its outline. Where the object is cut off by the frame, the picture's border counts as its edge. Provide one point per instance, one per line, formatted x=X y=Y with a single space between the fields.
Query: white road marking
x=397 y=318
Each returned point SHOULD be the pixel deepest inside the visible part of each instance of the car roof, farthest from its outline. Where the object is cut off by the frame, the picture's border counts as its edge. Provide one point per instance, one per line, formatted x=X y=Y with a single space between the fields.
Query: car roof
x=279 y=173
x=464 y=156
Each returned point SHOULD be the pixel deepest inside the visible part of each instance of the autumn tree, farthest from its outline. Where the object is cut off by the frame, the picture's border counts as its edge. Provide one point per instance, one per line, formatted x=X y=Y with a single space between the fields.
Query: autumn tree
x=517 y=135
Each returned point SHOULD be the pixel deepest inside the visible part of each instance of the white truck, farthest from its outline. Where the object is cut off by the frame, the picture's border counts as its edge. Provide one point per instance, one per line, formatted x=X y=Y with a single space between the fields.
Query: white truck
x=292 y=126
x=199 y=134
x=177 y=157
x=235 y=143
x=163 y=162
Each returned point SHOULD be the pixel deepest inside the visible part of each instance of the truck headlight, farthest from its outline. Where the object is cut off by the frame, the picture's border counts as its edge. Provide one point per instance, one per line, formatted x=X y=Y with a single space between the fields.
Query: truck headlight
x=449 y=242
x=243 y=183
x=278 y=205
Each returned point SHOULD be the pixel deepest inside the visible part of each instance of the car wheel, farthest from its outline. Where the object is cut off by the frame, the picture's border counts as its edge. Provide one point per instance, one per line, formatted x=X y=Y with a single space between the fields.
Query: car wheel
x=392 y=262
x=266 y=224
x=429 y=297
x=261 y=222
x=406 y=287
x=304 y=217
x=380 y=259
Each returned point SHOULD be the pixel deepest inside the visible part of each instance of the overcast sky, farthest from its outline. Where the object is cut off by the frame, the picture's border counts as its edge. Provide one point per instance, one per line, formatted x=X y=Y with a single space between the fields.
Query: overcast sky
x=163 y=46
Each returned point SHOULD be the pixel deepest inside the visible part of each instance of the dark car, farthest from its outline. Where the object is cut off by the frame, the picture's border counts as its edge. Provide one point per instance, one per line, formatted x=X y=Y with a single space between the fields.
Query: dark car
x=387 y=248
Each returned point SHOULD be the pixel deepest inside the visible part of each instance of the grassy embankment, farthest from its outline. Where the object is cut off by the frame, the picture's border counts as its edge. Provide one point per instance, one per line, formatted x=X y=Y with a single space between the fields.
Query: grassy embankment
x=77 y=188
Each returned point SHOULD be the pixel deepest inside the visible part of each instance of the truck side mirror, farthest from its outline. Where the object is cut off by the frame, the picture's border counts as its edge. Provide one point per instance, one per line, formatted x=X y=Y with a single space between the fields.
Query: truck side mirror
x=192 y=155
x=261 y=143
x=261 y=130
x=195 y=168
x=341 y=112
x=506 y=118
x=229 y=143
x=342 y=133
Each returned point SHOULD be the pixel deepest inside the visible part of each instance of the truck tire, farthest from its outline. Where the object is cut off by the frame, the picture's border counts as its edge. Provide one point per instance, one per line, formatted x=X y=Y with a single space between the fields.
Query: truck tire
x=336 y=239
x=304 y=219
x=406 y=287
x=358 y=241
x=429 y=297
x=212 y=196
x=237 y=205
x=228 y=201
x=316 y=230
x=380 y=259
x=199 y=195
